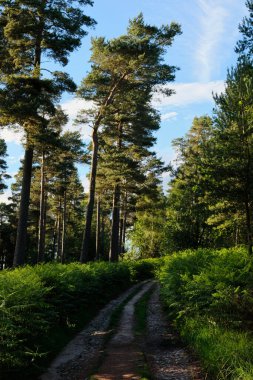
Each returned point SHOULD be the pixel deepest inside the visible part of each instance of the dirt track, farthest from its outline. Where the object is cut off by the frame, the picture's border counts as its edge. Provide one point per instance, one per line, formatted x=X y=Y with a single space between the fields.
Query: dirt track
x=161 y=350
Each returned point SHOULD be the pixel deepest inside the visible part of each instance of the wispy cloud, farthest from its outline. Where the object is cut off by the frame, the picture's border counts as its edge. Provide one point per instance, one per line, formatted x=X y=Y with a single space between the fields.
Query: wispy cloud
x=11 y=136
x=212 y=20
x=169 y=116
x=4 y=197
x=72 y=108
x=189 y=93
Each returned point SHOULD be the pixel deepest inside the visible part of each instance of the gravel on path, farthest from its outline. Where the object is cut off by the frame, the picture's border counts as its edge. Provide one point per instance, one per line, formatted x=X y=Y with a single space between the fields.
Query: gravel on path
x=123 y=357
x=167 y=358
x=83 y=352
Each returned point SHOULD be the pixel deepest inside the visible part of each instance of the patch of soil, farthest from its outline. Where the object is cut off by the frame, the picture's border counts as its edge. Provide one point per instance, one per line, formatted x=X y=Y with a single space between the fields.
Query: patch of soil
x=123 y=357
x=81 y=355
x=167 y=357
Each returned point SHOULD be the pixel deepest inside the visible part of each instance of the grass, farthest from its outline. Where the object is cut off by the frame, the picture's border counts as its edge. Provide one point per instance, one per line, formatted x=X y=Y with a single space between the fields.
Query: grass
x=140 y=326
x=209 y=296
x=140 y=313
x=113 y=324
x=224 y=353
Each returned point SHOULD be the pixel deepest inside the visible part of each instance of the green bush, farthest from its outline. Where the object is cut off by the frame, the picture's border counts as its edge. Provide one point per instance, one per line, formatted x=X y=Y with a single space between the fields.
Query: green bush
x=144 y=269
x=218 y=286
x=37 y=303
x=225 y=353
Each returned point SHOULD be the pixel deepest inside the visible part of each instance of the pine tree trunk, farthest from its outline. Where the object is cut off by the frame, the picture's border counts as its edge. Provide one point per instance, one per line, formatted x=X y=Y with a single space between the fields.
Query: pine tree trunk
x=98 y=232
x=124 y=233
x=64 y=220
x=86 y=255
x=249 y=228
x=102 y=245
x=54 y=239
x=121 y=224
x=114 y=249
x=42 y=224
x=59 y=233
x=247 y=197
x=19 y=255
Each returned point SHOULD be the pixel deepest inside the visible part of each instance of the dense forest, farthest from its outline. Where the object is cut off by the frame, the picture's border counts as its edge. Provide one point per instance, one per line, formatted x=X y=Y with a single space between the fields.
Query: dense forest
x=126 y=215
x=49 y=218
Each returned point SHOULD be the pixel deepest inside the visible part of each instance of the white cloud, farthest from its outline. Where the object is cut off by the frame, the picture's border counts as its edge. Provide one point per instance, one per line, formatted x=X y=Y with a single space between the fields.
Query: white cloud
x=11 y=136
x=189 y=93
x=212 y=19
x=86 y=184
x=4 y=197
x=168 y=116
x=217 y=22
x=72 y=108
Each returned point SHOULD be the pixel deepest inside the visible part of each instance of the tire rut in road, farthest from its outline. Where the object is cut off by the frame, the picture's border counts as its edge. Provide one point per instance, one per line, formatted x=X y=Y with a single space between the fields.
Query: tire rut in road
x=123 y=356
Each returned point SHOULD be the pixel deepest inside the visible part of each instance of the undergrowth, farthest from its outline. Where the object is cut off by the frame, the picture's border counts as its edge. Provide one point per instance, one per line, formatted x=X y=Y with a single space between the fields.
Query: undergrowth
x=42 y=307
x=209 y=295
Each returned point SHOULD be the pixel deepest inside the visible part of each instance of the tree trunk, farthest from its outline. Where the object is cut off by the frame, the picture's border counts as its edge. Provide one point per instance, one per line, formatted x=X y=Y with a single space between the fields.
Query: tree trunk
x=248 y=224
x=19 y=255
x=42 y=218
x=59 y=233
x=121 y=224
x=123 y=249
x=86 y=255
x=102 y=245
x=64 y=220
x=114 y=249
x=54 y=239
x=98 y=233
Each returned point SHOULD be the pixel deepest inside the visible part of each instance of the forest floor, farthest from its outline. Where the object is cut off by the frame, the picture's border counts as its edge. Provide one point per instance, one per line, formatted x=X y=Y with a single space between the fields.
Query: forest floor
x=110 y=347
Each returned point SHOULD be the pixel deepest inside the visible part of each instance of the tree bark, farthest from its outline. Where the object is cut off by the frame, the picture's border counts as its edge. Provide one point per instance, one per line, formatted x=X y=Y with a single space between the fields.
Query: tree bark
x=98 y=232
x=59 y=233
x=102 y=245
x=42 y=218
x=121 y=225
x=86 y=255
x=54 y=239
x=19 y=255
x=64 y=220
x=124 y=233
x=248 y=224
x=114 y=249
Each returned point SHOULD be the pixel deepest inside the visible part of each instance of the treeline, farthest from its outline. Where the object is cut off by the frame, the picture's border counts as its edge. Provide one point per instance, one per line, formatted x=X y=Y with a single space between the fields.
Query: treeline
x=210 y=196
x=46 y=217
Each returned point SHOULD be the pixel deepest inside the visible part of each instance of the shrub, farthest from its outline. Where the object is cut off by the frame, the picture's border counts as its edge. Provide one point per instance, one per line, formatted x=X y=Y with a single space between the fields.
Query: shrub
x=209 y=295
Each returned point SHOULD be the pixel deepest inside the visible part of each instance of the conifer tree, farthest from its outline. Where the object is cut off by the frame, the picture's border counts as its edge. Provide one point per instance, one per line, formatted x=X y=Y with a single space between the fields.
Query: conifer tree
x=31 y=30
x=132 y=60
x=3 y=165
x=244 y=46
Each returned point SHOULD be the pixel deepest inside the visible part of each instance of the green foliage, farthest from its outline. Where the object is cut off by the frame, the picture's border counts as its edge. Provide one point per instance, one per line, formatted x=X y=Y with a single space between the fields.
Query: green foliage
x=36 y=301
x=3 y=165
x=208 y=293
x=143 y=269
x=225 y=353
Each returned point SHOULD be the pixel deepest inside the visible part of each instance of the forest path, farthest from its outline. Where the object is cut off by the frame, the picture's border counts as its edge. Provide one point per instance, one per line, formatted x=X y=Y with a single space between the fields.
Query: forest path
x=125 y=356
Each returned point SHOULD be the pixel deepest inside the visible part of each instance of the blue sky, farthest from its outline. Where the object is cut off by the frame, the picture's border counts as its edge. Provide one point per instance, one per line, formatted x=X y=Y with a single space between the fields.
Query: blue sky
x=203 y=52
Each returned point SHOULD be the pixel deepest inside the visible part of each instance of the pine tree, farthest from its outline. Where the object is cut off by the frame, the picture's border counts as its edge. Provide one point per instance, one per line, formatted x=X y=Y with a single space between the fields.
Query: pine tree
x=3 y=165
x=132 y=60
x=244 y=46
x=31 y=30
